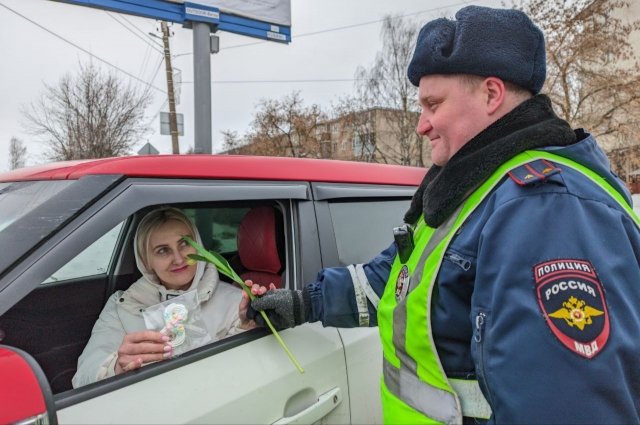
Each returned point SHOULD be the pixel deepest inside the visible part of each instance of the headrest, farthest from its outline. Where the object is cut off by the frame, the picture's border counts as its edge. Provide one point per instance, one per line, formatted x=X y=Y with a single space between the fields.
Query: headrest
x=257 y=244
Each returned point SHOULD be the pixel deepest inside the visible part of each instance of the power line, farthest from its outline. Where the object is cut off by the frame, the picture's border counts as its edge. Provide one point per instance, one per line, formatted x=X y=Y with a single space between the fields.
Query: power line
x=149 y=84
x=154 y=46
x=82 y=49
x=153 y=117
x=361 y=24
x=145 y=61
x=155 y=74
x=146 y=34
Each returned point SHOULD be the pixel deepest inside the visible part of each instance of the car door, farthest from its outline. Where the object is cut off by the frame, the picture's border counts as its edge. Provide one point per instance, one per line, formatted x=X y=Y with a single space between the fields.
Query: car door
x=355 y=224
x=246 y=378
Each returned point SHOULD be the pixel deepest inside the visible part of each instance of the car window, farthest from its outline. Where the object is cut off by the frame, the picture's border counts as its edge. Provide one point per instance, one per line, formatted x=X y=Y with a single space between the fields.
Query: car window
x=364 y=228
x=220 y=229
x=92 y=261
x=218 y=226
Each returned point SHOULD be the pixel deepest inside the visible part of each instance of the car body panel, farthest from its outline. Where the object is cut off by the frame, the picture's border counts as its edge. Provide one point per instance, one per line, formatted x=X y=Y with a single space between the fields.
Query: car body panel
x=363 y=355
x=24 y=389
x=206 y=391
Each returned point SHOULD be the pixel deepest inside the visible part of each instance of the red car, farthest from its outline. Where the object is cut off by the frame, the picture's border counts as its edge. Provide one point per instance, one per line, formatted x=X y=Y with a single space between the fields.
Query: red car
x=66 y=233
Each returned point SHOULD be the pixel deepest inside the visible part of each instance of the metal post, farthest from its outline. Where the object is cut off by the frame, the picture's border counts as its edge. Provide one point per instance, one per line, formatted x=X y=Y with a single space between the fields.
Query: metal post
x=202 y=87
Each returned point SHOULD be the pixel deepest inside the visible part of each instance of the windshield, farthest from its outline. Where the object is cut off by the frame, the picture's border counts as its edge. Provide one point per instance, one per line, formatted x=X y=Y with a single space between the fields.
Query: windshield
x=20 y=198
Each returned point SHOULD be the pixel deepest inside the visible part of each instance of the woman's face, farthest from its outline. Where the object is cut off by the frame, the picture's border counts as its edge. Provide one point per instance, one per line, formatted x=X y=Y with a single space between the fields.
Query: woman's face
x=167 y=255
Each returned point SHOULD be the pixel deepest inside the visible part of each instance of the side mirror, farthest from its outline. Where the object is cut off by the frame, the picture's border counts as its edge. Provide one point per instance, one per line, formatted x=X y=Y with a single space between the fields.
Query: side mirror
x=25 y=394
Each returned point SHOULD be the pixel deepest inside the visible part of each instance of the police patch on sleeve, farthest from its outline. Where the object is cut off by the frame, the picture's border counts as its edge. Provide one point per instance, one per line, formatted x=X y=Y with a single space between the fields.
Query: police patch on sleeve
x=572 y=301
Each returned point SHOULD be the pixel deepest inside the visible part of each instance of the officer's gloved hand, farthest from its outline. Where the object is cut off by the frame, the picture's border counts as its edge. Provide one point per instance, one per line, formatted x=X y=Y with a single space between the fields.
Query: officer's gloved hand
x=285 y=308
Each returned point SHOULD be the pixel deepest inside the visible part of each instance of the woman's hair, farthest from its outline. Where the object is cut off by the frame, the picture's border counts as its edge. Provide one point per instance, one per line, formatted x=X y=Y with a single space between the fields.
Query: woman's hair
x=152 y=221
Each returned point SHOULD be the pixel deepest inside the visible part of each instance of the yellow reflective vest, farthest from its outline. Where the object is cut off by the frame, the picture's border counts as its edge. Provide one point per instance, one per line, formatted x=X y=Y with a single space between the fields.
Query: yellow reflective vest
x=414 y=387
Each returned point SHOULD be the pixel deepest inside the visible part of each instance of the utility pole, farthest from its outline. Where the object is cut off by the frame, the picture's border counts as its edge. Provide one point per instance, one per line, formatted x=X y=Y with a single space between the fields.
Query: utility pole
x=173 y=122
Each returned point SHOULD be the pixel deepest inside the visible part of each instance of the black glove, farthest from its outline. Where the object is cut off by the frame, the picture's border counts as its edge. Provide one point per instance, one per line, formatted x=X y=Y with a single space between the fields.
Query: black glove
x=285 y=308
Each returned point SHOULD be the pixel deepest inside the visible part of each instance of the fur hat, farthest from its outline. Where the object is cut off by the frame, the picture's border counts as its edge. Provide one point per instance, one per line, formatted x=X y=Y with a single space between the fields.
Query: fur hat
x=482 y=41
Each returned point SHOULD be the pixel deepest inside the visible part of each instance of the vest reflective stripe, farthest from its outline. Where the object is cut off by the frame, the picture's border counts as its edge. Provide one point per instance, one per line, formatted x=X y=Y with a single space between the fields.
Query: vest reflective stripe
x=443 y=406
x=410 y=367
x=363 y=291
x=415 y=387
x=361 y=298
x=414 y=393
x=361 y=279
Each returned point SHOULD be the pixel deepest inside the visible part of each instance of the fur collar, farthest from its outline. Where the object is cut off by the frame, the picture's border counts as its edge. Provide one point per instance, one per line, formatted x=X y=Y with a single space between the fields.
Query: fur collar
x=531 y=125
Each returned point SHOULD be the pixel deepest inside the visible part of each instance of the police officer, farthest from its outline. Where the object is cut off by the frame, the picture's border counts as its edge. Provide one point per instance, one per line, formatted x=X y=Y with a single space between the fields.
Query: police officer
x=514 y=297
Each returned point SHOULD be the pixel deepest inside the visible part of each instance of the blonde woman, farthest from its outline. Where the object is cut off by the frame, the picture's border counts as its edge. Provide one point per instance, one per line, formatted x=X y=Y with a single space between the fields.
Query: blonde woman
x=119 y=340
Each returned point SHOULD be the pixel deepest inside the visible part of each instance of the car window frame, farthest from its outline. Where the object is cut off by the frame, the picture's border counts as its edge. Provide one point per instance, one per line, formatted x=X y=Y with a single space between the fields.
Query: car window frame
x=325 y=193
x=117 y=205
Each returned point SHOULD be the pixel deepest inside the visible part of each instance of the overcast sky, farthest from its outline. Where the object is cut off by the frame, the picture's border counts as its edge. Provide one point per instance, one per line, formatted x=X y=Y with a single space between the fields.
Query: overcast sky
x=330 y=39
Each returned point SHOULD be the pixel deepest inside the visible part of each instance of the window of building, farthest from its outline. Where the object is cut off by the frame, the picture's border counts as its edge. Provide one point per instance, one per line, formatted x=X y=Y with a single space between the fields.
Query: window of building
x=363 y=145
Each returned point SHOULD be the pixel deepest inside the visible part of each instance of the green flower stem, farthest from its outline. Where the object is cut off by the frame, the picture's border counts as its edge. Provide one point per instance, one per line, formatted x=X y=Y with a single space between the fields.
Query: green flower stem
x=223 y=267
x=282 y=344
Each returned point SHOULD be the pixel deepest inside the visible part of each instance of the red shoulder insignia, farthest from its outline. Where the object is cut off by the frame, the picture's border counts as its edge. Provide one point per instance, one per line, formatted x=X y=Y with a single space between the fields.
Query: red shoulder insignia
x=533 y=172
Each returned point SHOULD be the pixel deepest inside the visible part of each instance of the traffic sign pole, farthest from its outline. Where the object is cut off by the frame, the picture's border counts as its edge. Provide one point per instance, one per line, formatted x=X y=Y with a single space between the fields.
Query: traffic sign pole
x=202 y=87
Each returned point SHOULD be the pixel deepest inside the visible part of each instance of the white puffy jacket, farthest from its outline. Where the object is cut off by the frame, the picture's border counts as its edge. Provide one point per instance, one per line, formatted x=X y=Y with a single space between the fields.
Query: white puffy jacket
x=122 y=314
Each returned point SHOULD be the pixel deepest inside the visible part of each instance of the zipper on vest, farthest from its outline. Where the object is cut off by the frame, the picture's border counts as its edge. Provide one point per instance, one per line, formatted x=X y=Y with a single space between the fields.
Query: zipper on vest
x=456 y=259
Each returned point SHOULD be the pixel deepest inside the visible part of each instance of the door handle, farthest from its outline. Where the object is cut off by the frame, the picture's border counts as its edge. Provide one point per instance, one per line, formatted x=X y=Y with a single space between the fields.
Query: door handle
x=321 y=408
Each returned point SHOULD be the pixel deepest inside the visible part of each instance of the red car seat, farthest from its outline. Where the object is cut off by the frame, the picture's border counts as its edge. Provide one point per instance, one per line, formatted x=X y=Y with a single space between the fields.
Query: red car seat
x=258 y=246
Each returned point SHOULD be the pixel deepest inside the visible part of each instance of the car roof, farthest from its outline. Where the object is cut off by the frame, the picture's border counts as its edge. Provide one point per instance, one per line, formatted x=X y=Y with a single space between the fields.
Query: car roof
x=236 y=167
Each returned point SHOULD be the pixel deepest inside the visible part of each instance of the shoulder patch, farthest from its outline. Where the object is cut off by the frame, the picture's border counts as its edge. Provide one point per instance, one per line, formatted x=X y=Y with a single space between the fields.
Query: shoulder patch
x=533 y=172
x=572 y=301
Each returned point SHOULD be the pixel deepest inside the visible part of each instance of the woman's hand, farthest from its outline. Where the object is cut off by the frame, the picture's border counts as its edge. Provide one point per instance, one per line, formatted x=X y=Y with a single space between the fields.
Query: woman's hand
x=245 y=322
x=142 y=347
x=259 y=289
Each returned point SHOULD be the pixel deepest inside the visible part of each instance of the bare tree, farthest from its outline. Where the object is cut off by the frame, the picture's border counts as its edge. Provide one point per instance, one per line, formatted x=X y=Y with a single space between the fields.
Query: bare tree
x=281 y=127
x=385 y=85
x=88 y=115
x=17 y=153
x=232 y=143
x=593 y=75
